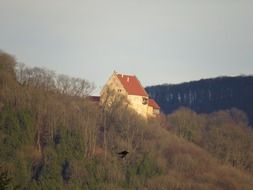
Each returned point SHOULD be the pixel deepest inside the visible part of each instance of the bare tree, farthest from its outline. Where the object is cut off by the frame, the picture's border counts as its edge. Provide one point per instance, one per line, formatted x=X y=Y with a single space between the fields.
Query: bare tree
x=49 y=81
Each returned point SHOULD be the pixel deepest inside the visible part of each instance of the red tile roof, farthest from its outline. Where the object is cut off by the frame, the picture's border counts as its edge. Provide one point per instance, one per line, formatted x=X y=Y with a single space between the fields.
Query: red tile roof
x=153 y=104
x=132 y=85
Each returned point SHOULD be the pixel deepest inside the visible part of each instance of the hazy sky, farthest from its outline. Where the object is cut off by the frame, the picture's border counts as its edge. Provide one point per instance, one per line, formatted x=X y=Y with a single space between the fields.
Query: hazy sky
x=160 y=41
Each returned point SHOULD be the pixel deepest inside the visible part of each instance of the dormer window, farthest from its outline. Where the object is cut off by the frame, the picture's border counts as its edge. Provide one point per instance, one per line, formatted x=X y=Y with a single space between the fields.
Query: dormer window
x=144 y=100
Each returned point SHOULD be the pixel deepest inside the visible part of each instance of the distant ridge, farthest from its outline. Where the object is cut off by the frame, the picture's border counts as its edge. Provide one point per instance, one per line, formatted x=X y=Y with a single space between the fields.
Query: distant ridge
x=207 y=95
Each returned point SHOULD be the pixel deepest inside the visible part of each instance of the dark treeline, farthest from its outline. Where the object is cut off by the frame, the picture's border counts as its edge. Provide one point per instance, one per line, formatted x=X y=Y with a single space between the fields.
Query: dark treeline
x=208 y=95
x=53 y=138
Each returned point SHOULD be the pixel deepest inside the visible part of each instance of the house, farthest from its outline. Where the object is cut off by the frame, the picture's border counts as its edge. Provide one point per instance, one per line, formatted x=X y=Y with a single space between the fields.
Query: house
x=129 y=87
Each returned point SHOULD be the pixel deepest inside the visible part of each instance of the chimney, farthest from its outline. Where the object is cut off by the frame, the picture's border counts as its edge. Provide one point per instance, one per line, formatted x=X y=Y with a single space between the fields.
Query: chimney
x=122 y=75
x=127 y=79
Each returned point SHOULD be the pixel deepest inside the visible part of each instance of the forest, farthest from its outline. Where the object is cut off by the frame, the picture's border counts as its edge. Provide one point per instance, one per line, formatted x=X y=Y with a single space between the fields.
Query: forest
x=52 y=136
x=207 y=95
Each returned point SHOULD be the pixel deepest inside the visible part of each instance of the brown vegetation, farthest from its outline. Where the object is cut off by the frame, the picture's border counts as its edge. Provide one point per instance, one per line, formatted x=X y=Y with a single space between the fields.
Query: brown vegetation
x=225 y=134
x=54 y=138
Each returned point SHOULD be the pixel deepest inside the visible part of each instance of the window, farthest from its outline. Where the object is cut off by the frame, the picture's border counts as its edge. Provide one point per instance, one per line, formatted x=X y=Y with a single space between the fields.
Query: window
x=119 y=90
x=144 y=100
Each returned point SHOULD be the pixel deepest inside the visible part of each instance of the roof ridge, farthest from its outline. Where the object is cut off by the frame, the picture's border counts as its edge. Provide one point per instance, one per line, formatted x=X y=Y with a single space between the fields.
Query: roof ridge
x=126 y=74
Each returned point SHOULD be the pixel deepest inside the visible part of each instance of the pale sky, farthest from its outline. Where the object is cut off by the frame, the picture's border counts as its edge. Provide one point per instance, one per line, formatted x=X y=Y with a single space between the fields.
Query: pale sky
x=160 y=41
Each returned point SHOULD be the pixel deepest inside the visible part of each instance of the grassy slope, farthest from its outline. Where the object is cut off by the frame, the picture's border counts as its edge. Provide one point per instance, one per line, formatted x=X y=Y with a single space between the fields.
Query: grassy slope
x=52 y=141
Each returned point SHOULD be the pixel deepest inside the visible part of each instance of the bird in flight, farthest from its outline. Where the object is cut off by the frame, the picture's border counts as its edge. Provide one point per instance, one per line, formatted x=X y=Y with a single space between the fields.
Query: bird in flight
x=123 y=154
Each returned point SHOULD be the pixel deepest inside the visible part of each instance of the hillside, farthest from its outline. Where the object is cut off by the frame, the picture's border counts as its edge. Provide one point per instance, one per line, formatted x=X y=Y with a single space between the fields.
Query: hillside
x=53 y=137
x=207 y=95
